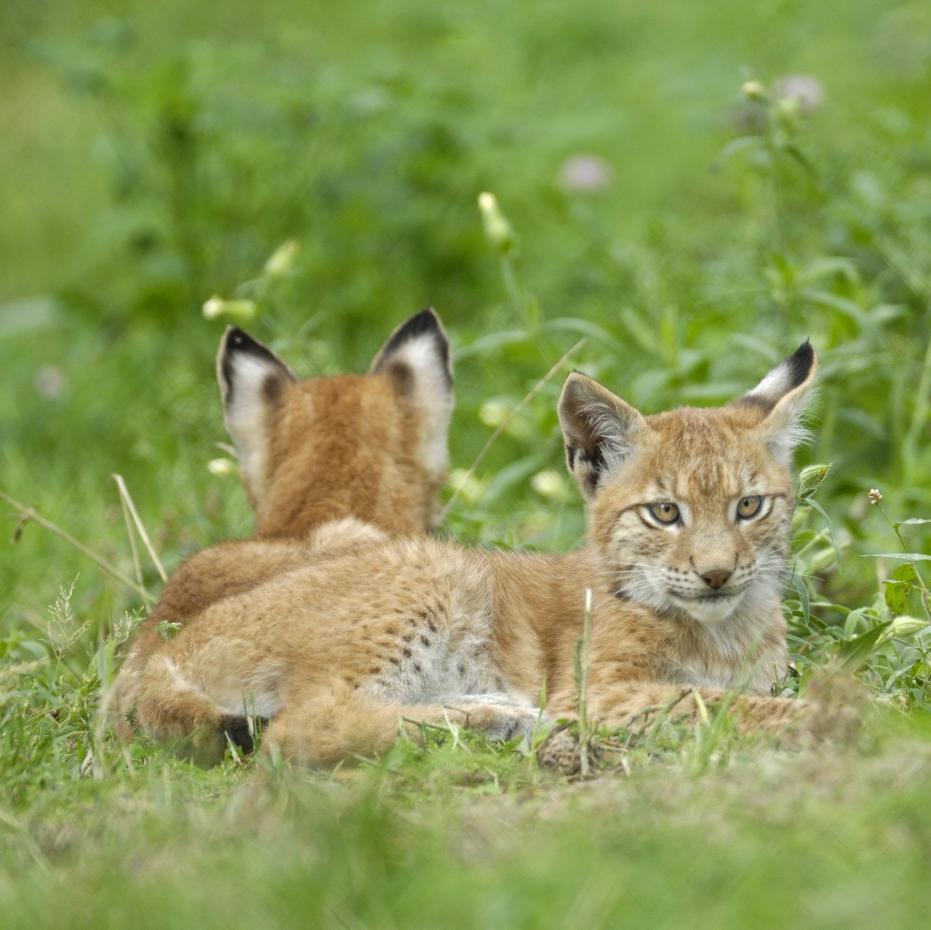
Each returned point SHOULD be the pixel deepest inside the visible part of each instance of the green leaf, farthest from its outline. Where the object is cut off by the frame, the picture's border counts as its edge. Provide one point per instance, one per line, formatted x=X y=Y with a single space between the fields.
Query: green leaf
x=811 y=502
x=492 y=342
x=742 y=144
x=901 y=556
x=895 y=594
x=834 y=302
x=802 y=592
x=855 y=651
x=913 y=521
x=508 y=477
x=793 y=151
x=643 y=335
x=853 y=620
x=900 y=590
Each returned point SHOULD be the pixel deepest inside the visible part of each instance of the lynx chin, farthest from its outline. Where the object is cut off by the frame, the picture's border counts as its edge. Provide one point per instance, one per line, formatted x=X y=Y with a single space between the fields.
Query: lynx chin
x=688 y=533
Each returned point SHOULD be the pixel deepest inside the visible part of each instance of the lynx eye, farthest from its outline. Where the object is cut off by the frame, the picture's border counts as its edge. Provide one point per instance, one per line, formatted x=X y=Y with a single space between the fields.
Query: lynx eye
x=748 y=507
x=664 y=513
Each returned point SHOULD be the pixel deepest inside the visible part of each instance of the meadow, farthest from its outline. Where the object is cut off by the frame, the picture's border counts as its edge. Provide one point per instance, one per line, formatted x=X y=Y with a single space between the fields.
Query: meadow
x=686 y=192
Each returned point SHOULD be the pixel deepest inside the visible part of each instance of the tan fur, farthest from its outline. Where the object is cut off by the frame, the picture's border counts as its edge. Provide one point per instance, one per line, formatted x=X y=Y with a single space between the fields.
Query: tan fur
x=360 y=454
x=343 y=652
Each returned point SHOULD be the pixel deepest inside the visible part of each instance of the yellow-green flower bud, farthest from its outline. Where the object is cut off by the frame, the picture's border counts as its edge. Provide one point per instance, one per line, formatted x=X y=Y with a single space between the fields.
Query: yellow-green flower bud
x=549 y=484
x=240 y=311
x=493 y=412
x=222 y=467
x=810 y=478
x=466 y=485
x=497 y=228
x=753 y=90
x=902 y=628
x=906 y=626
x=281 y=261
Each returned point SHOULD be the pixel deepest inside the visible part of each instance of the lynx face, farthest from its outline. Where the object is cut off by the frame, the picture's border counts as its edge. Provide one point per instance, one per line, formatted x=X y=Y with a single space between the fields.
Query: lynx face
x=691 y=508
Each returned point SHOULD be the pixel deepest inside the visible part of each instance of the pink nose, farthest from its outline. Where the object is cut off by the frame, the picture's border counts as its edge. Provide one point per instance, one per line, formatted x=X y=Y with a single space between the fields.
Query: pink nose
x=716 y=577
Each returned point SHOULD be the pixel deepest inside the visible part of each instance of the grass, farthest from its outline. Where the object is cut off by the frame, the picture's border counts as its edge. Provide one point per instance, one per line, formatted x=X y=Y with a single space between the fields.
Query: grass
x=158 y=156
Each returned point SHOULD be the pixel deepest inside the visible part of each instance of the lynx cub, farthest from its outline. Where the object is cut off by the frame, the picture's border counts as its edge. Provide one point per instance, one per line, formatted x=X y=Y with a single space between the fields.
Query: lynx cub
x=688 y=531
x=358 y=455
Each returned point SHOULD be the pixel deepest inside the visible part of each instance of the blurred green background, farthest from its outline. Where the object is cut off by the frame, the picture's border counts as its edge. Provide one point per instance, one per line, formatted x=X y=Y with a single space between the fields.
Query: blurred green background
x=156 y=154
x=691 y=227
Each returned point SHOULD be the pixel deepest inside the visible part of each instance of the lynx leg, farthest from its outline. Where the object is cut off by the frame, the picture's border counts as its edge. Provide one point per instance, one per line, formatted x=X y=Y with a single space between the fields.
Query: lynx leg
x=169 y=707
x=325 y=727
x=619 y=704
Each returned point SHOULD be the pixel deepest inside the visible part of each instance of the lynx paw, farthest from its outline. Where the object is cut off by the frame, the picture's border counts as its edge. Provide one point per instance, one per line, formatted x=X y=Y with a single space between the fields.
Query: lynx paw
x=499 y=720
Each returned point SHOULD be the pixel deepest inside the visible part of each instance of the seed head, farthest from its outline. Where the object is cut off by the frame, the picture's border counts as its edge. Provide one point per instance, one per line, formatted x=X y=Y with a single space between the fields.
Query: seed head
x=875 y=496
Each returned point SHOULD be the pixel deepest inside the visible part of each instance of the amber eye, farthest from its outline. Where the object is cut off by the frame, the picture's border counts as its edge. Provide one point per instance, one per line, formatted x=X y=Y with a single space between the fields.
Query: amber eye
x=665 y=513
x=749 y=506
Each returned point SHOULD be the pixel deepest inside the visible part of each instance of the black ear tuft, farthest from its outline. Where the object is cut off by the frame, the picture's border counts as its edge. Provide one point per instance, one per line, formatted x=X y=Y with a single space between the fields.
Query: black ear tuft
x=781 y=398
x=783 y=381
x=423 y=325
x=417 y=361
x=238 y=344
x=799 y=363
x=252 y=382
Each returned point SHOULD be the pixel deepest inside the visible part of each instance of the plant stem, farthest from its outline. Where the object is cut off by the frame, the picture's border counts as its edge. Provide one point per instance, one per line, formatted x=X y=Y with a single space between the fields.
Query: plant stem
x=31 y=515
x=582 y=678
x=919 y=419
x=503 y=425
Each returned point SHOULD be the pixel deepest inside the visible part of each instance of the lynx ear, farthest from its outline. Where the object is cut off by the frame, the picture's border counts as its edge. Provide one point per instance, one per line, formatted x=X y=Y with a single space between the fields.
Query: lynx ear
x=600 y=429
x=416 y=358
x=252 y=379
x=782 y=397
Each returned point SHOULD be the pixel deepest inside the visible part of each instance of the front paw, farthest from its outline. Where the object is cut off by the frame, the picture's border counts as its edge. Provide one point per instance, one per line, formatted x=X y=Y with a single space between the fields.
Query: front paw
x=499 y=721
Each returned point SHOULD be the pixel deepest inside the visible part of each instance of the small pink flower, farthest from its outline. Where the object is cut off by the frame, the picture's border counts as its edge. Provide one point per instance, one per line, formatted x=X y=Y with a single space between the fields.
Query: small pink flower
x=50 y=382
x=807 y=91
x=585 y=173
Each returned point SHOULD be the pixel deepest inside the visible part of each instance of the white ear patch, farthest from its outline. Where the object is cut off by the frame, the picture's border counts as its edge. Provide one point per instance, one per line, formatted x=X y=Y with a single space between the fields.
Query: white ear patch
x=419 y=346
x=433 y=397
x=599 y=429
x=251 y=378
x=783 y=394
x=789 y=375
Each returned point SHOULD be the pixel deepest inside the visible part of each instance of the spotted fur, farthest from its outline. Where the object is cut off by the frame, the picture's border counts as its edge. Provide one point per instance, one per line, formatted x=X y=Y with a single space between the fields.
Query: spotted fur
x=344 y=652
x=326 y=463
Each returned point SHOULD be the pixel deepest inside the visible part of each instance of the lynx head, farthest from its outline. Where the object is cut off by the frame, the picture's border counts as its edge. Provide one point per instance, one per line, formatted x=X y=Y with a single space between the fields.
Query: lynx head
x=690 y=509
x=369 y=446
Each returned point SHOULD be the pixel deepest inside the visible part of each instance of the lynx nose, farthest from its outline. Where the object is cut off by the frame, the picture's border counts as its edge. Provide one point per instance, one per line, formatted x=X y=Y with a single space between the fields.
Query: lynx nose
x=716 y=577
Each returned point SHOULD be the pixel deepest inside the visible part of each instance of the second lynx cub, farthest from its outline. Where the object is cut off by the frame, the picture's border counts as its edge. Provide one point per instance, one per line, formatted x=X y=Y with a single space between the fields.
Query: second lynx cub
x=688 y=531
x=325 y=462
